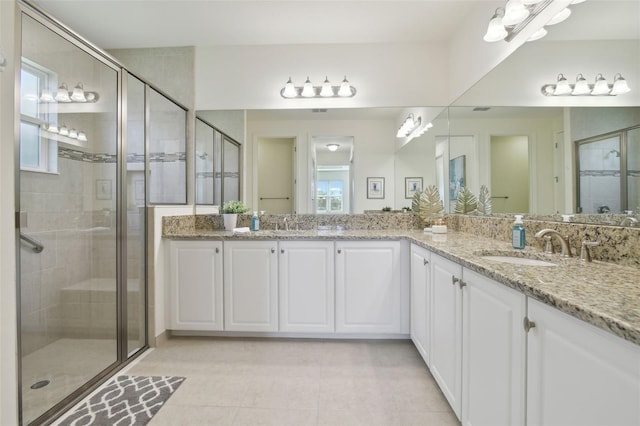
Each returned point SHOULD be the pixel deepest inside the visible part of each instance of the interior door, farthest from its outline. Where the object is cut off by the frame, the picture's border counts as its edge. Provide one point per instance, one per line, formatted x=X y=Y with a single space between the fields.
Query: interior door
x=275 y=174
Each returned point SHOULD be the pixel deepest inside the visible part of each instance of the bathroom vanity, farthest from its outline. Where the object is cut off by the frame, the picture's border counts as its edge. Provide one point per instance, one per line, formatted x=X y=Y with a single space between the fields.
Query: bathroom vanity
x=507 y=343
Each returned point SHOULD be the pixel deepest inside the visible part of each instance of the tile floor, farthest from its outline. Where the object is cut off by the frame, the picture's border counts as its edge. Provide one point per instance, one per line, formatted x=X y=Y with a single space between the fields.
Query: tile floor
x=295 y=382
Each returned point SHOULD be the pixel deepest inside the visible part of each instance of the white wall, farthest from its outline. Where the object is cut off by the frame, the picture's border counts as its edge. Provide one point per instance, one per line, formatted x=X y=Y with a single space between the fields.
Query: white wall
x=374 y=145
x=158 y=265
x=8 y=319
x=521 y=76
x=250 y=77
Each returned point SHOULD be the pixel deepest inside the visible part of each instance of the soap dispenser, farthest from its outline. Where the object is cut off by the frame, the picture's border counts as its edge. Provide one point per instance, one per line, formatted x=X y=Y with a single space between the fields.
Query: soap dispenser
x=255 y=222
x=517 y=233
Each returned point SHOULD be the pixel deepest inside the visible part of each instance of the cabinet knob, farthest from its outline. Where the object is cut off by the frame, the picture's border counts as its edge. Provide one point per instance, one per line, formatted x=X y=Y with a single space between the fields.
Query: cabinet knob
x=528 y=325
x=273 y=250
x=425 y=262
x=282 y=251
x=339 y=251
x=454 y=280
x=462 y=283
x=217 y=250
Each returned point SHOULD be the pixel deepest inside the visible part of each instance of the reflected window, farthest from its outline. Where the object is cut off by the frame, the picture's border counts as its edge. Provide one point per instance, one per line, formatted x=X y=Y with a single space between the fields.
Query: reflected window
x=38 y=153
x=330 y=187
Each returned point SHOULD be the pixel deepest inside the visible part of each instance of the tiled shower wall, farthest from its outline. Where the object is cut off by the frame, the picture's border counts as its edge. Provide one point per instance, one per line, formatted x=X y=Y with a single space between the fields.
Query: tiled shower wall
x=79 y=244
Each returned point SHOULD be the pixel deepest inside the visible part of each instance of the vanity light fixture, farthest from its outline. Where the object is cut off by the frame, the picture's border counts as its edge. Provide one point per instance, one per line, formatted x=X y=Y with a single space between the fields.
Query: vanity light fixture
x=581 y=88
x=412 y=127
x=64 y=131
x=333 y=147
x=326 y=90
x=510 y=20
x=63 y=95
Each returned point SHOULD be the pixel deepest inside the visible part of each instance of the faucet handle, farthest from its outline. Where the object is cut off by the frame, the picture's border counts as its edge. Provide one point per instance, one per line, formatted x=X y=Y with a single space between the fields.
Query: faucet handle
x=585 y=254
x=548 y=245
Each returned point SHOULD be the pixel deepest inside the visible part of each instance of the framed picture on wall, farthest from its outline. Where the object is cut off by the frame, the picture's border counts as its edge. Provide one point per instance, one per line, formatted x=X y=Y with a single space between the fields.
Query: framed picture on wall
x=375 y=187
x=103 y=189
x=456 y=177
x=411 y=186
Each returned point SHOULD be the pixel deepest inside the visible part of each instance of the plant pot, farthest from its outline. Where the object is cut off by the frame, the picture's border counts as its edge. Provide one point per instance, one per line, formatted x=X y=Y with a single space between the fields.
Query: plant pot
x=230 y=220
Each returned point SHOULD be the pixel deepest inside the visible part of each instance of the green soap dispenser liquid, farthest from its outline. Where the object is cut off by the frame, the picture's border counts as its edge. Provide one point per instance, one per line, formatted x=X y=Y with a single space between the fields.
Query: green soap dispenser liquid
x=255 y=222
x=517 y=233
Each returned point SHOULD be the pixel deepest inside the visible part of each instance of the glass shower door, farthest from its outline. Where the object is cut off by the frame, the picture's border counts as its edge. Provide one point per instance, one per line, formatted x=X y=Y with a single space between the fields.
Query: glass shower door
x=68 y=208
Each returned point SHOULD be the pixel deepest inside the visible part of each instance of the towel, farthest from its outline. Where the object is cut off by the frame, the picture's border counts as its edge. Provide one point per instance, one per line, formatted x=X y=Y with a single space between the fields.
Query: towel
x=241 y=230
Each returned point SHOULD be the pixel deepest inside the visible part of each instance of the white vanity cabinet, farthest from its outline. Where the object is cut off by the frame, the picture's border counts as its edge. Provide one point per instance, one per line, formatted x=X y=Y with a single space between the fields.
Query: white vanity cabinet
x=493 y=352
x=369 y=287
x=195 y=285
x=251 y=286
x=477 y=345
x=306 y=286
x=420 y=300
x=446 y=329
x=578 y=374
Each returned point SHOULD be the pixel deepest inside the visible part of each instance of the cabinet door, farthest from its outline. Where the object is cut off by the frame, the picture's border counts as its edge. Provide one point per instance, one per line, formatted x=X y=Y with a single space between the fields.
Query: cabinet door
x=493 y=358
x=368 y=287
x=420 y=288
x=306 y=286
x=578 y=374
x=446 y=329
x=250 y=286
x=195 y=285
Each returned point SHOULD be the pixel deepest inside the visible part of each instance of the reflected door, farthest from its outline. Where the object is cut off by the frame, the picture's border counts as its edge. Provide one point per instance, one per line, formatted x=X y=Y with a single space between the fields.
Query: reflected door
x=599 y=176
x=68 y=202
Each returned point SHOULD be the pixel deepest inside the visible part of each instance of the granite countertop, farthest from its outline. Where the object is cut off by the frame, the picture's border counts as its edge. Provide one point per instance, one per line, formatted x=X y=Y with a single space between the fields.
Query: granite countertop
x=603 y=294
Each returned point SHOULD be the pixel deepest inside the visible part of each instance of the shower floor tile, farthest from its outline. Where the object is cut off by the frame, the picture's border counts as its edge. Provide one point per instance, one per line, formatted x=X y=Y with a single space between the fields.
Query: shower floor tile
x=66 y=364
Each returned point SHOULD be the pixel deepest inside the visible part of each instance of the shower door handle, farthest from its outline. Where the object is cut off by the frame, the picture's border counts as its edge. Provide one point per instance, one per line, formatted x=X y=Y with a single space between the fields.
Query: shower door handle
x=37 y=246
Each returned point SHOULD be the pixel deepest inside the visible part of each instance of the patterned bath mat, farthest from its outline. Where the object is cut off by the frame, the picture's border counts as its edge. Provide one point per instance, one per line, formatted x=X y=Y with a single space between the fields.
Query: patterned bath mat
x=125 y=401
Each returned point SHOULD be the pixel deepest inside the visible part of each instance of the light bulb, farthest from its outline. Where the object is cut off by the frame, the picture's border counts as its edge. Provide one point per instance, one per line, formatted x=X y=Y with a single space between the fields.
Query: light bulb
x=82 y=136
x=530 y=2
x=78 y=93
x=620 y=85
x=63 y=131
x=289 y=90
x=496 y=30
x=562 y=86
x=581 y=87
x=73 y=134
x=62 y=95
x=601 y=87
x=333 y=147
x=46 y=96
x=307 y=89
x=327 y=90
x=345 y=88
x=514 y=13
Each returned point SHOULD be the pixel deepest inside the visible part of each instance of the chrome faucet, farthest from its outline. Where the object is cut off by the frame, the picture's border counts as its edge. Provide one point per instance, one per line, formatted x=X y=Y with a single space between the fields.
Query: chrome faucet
x=286 y=224
x=564 y=243
x=631 y=221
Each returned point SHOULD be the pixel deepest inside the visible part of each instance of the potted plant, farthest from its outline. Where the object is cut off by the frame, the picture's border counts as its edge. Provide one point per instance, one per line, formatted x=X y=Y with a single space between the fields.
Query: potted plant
x=230 y=211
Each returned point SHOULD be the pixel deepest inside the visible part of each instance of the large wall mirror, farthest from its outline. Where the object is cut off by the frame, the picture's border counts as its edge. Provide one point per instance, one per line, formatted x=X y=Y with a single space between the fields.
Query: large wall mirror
x=551 y=155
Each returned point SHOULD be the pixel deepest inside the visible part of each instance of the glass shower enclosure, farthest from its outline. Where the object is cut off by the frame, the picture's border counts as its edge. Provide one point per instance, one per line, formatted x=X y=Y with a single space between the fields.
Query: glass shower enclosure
x=82 y=220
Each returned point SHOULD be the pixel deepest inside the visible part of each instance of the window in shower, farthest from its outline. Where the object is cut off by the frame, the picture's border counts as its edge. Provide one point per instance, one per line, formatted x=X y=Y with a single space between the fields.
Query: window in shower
x=38 y=150
x=608 y=172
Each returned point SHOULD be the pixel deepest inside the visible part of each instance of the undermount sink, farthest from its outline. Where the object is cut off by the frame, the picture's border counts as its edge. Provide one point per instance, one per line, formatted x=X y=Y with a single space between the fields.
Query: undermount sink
x=514 y=258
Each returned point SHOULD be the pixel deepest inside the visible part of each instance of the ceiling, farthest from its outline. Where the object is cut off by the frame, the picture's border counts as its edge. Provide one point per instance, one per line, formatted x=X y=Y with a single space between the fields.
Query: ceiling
x=113 y=24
